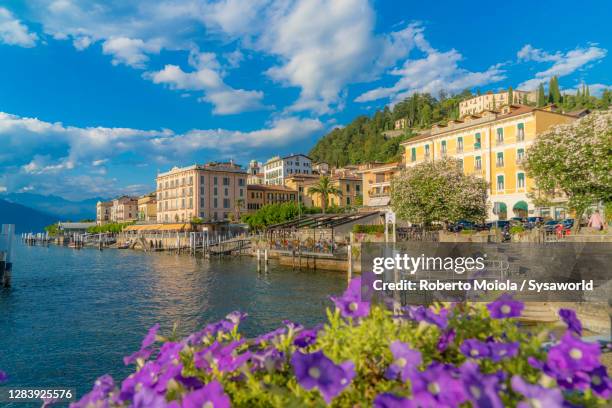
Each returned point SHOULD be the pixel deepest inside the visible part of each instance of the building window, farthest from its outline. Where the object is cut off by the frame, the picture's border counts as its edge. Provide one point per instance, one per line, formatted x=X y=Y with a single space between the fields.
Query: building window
x=215 y=181
x=226 y=181
x=459 y=145
x=520 y=180
x=241 y=192
x=477 y=141
x=413 y=154
x=500 y=183
x=348 y=200
x=226 y=203
x=201 y=179
x=500 y=135
x=226 y=191
x=215 y=203
x=478 y=163
x=520 y=132
x=241 y=182
x=215 y=192
x=520 y=155
x=427 y=150
x=358 y=188
x=348 y=188
x=202 y=202
x=500 y=159
x=443 y=147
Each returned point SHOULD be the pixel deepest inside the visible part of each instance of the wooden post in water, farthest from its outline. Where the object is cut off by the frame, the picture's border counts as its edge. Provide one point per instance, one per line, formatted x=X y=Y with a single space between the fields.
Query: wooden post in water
x=349 y=274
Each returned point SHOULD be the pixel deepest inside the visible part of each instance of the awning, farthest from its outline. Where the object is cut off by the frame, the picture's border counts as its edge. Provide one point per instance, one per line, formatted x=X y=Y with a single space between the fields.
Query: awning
x=499 y=207
x=379 y=201
x=520 y=206
x=157 y=227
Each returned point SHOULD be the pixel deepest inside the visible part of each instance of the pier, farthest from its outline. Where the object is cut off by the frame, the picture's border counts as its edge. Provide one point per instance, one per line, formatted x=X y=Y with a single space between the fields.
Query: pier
x=6 y=249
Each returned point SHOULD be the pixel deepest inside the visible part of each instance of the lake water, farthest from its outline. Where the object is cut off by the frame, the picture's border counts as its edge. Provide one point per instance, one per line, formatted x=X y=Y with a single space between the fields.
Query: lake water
x=71 y=315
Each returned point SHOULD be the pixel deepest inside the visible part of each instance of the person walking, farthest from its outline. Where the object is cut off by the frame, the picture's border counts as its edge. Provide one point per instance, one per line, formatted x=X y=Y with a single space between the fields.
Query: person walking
x=596 y=221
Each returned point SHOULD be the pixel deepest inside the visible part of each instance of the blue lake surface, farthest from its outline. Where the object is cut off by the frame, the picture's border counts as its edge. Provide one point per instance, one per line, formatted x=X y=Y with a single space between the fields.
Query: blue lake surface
x=71 y=315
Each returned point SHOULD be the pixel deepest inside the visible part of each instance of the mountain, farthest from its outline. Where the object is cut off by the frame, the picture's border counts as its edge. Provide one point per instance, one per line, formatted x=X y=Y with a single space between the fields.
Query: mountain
x=60 y=208
x=25 y=219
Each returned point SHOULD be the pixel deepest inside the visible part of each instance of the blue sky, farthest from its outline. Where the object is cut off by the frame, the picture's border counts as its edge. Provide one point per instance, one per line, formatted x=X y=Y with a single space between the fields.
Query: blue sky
x=97 y=95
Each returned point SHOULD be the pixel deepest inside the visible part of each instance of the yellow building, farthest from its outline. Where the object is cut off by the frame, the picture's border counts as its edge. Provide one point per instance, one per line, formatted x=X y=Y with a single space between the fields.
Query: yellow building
x=376 y=183
x=147 y=207
x=349 y=184
x=211 y=191
x=300 y=183
x=259 y=195
x=493 y=101
x=492 y=146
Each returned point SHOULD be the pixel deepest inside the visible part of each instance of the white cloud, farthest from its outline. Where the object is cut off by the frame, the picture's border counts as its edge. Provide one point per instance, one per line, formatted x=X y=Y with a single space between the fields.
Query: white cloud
x=3 y=189
x=321 y=45
x=207 y=77
x=594 y=89
x=436 y=71
x=128 y=51
x=563 y=63
x=66 y=160
x=14 y=32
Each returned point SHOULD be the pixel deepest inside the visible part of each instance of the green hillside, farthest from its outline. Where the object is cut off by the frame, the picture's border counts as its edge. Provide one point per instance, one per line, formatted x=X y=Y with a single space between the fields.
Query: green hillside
x=362 y=140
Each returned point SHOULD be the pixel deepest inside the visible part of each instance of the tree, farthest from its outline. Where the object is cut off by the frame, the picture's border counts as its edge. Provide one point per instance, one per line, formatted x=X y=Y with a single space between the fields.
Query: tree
x=575 y=159
x=52 y=229
x=554 y=94
x=541 y=96
x=324 y=188
x=438 y=191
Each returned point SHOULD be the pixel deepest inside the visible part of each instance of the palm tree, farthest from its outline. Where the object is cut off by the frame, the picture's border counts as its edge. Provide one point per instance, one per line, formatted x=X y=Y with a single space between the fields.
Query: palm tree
x=324 y=188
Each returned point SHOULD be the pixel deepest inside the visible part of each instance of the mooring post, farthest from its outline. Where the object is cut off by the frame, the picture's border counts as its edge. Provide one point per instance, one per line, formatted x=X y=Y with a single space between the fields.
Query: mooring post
x=350 y=264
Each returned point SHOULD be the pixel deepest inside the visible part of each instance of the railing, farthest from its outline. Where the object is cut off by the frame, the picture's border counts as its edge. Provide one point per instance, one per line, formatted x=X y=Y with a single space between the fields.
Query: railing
x=499 y=164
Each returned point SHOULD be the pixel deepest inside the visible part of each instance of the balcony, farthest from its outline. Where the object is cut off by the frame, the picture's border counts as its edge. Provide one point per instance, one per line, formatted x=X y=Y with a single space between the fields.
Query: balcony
x=499 y=164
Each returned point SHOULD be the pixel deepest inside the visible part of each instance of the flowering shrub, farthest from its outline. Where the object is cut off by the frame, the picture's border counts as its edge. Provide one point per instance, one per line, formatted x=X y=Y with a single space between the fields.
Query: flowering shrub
x=366 y=355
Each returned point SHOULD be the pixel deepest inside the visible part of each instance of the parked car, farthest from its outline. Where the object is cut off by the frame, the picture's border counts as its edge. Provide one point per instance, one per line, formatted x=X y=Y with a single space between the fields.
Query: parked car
x=550 y=225
x=568 y=223
x=499 y=224
x=461 y=225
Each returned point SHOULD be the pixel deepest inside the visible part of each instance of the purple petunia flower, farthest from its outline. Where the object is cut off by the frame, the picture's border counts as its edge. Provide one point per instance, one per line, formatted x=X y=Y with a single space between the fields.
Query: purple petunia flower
x=147 y=398
x=474 y=348
x=441 y=383
x=315 y=370
x=405 y=360
x=505 y=307
x=211 y=395
x=571 y=355
x=600 y=382
x=223 y=357
x=306 y=337
x=144 y=352
x=388 y=400
x=445 y=340
x=571 y=320
x=236 y=317
x=424 y=314
x=100 y=392
x=350 y=304
x=3 y=376
x=270 y=336
x=535 y=395
x=481 y=389
x=500 y=351
x=270 y=359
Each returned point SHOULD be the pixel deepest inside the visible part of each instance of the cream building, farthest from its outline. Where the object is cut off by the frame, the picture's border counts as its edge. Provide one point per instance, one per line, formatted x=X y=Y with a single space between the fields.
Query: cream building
x=211 y=191
x=278 y=168
x=376 y=183
x=493 y=101
x=124 y=209
x=492 y=146
x=147 y=207
x=103 y=212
